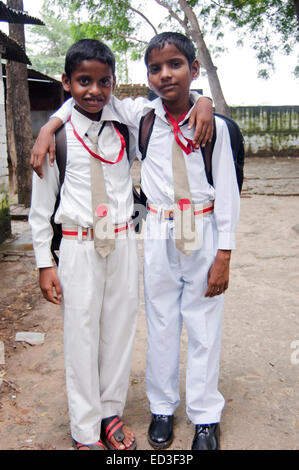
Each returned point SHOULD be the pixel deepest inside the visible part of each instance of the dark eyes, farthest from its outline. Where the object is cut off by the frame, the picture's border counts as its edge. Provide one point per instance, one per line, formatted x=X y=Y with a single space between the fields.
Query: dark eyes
x=104 y=82
x=153 y=69
x=84 y=81
x=156 y=68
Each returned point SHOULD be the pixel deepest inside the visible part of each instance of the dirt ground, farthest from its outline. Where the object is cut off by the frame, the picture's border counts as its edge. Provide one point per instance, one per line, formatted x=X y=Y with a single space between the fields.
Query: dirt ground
x=260 y=349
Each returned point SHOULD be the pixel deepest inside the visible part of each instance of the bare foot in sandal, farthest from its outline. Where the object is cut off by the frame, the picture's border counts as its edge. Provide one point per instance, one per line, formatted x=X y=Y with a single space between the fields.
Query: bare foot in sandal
x=96 y=446
x=116 y=435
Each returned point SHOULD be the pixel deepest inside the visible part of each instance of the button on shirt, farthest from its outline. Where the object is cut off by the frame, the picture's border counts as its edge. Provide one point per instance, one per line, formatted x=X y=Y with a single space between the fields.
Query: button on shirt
x=75 y=207
x=156 y=171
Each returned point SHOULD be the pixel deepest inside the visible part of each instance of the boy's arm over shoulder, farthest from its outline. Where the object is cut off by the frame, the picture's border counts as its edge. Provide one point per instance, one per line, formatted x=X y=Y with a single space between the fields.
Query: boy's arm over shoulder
x=65 y=110
x=202 y=118
x=227 y=196
x=129 y=111
x=45 y=142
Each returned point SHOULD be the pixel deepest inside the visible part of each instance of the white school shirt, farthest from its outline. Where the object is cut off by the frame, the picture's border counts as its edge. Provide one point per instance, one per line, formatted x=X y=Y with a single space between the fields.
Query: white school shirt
x=75 y=207
x=156 y=170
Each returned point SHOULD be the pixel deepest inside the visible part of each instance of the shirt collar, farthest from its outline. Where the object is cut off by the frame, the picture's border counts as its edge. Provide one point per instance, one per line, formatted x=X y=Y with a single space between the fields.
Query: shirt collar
x=157 y=105
x=83 y=123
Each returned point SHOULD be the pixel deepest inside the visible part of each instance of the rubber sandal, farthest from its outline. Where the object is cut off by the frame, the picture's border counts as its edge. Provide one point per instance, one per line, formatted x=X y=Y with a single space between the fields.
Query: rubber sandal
x=112 y=427
x=96 y=446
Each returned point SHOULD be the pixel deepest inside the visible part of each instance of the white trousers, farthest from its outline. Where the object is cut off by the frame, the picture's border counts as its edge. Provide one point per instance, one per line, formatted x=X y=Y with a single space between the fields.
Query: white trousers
x=100 y=306
x=175 y=285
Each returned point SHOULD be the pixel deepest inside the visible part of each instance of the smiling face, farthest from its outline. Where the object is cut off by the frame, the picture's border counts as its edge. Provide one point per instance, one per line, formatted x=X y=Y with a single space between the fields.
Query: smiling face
x=170 y=75
x=91 y=85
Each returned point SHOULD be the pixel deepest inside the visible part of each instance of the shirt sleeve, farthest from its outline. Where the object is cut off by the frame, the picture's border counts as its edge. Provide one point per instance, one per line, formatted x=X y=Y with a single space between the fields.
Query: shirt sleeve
x=65 y=110
x=227 y=197
x=129 y=111
x=43 y=199
x=195 y=95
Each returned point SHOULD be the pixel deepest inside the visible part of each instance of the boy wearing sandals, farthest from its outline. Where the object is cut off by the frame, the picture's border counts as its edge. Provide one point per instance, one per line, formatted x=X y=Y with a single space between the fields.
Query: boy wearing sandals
x=97 y=279
x=100 y=293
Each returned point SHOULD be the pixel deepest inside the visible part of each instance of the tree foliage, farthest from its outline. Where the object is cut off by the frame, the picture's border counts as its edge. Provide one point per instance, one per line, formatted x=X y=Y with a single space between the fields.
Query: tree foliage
x=55 y=39
x=271 y=25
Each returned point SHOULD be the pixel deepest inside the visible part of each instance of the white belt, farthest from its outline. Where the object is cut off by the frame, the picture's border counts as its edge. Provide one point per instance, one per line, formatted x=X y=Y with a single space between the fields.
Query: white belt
x=83 y=233
x=200 y=210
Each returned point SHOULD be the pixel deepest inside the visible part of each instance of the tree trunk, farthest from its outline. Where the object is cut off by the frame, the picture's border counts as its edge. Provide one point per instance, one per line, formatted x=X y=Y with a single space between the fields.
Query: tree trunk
x=214 y=82
x=11 y=150
x=19 y=104
x=205 y=59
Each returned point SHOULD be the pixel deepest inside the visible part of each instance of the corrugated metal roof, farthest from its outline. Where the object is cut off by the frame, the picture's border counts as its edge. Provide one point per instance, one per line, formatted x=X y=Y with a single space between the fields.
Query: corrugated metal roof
x=9 y=15
x=13 y=50
x=35 y=75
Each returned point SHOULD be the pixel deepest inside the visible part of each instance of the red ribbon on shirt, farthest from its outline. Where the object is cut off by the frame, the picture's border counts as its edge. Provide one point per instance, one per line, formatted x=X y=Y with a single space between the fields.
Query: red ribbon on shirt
x=95 y=155
x=177 y=131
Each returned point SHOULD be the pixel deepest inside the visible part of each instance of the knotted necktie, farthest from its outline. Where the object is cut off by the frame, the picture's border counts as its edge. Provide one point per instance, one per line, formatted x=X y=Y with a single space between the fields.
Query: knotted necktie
x=186 y=237
x=104 y=235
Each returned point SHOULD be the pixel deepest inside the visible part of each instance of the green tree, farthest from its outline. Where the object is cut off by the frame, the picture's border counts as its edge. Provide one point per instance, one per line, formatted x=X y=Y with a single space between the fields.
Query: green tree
x=54 y=38
x=271 y=25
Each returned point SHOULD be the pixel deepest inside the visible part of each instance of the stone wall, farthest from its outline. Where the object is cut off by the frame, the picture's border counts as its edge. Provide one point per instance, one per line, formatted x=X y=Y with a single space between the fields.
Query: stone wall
x=5 y=228
x=269 y=130
x=123 y=91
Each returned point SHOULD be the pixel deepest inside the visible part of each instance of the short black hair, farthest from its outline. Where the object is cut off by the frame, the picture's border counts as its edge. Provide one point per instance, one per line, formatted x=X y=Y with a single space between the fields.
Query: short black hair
x=88 y=49
x=181 y=42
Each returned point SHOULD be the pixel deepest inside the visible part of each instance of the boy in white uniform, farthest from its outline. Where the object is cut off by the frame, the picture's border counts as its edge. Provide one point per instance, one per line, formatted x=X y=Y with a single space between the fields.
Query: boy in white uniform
x=184 y=285
x=100 y=292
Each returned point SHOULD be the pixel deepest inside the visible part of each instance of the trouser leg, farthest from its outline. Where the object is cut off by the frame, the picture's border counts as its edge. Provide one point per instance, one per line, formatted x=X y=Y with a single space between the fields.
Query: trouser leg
x=118 y=326
x=162 y=288
x=203 y=323
x=82 y=277
x=203 y=319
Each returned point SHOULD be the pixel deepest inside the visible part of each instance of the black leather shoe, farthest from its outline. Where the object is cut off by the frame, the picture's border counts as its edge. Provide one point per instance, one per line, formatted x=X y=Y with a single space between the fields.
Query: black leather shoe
x=206 y=437
x=160 y=431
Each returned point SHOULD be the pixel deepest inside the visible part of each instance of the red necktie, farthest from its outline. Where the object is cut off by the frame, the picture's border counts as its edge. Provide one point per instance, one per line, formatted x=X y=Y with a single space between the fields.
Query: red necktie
x=177 y=132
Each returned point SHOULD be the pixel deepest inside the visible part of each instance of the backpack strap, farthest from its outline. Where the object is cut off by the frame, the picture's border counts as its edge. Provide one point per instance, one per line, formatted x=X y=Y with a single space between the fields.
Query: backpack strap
x=237 y=145
x=123 y=129
x=61 y=154
x=60 y=143
x=145 y=131
x=207 y=152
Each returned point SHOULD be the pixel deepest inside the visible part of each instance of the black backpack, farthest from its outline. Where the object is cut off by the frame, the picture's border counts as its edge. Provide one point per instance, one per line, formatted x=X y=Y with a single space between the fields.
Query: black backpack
x=61 y=156
x=236 y=138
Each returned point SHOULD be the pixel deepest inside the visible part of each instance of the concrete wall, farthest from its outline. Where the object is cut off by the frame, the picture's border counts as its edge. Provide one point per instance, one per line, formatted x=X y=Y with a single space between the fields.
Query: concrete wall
x=269 y=130
x=5 y=228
